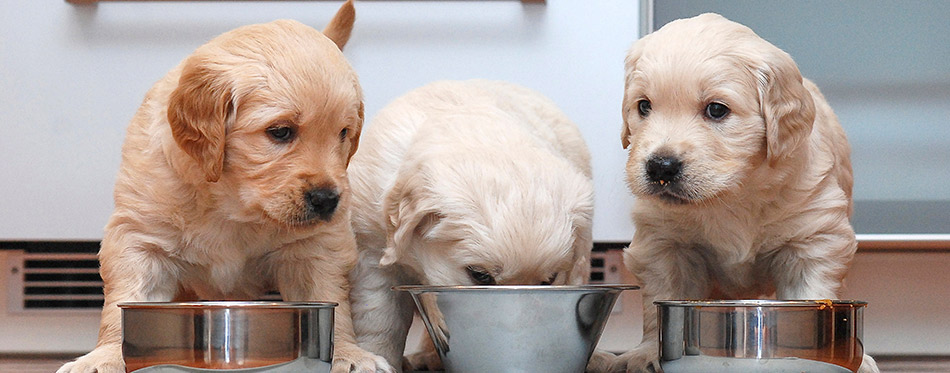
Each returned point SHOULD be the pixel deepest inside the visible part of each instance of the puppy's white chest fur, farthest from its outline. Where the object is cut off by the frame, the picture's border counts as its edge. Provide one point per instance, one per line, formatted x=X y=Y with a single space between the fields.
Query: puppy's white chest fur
x=731 y=247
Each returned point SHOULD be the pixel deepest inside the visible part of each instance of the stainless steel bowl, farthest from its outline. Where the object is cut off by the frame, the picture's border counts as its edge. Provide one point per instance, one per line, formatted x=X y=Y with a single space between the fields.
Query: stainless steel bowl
x=761 y=336
x=195 y=336
x=515 y=328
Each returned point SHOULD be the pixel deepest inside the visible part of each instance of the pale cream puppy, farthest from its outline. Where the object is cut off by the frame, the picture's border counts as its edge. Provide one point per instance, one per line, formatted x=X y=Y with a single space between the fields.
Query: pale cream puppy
x=233 y=181
x=462 y=183
x=741 y=171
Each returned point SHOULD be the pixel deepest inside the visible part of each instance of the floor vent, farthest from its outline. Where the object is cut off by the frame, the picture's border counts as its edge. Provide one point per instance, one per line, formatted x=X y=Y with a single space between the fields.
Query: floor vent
x=51 y=276
x=54 y=276
x=606 y=264
x=606 y=267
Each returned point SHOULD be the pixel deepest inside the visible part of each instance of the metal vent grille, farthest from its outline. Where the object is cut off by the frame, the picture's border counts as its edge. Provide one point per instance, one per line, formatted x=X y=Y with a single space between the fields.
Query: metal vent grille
x=47 y=276
x=54 y=276
x=606 y=263
x=606 y=266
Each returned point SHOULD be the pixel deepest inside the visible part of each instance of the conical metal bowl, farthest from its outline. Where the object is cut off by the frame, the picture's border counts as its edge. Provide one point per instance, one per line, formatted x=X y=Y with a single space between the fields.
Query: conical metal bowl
x=515 y=328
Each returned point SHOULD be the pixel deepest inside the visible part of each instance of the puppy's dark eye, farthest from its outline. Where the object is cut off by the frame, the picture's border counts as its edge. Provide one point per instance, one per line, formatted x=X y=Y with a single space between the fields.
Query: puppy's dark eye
x=281 y=133
x=343 y=134
x=716 y=111
x=480 y=276
x=643 y=107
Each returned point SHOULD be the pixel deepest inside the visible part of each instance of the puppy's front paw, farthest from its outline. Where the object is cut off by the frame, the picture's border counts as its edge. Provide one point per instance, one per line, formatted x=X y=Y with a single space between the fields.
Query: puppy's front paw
x=868 y=365
x=349 y=358
x=423 y=360
x=642 y=359
x=104 y=359
x=600 y=362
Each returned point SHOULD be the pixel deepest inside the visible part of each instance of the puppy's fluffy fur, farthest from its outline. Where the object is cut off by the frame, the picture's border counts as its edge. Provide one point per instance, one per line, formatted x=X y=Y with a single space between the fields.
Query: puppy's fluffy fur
x=460 y=183
x=233 y=181
x=741 y=171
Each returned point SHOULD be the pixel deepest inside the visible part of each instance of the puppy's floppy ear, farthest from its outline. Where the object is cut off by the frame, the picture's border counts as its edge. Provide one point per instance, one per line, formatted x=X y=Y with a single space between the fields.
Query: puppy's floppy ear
x=625 y=131
x=408 y=217
x=340 y=27
x=357 y=130
x=627 y=107
x=583 y=244
x=582 y=219
x=198 y=112
x=786 y=106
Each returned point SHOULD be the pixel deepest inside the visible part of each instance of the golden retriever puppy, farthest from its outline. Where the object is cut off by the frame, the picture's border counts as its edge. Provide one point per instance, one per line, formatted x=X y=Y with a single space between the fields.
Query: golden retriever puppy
x=741 y=171
x=465 y=183
x=233 y=181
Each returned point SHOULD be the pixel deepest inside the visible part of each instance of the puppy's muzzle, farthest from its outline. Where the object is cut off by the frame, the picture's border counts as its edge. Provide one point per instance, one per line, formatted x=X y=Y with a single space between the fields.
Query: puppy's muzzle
x=663 y=170
x=322 y=202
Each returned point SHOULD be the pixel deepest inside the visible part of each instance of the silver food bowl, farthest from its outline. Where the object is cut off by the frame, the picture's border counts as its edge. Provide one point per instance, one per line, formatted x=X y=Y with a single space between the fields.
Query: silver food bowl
x=515 y=328
x=761 y=336
x=227 y=335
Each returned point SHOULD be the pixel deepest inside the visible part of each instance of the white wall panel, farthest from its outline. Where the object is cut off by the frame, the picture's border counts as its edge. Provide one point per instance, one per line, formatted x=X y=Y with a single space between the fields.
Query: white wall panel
x=71 y=77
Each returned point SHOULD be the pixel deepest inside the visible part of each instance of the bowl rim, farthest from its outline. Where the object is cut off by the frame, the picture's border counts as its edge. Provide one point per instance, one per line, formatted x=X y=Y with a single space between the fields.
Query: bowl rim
x=740 y=303
x=221 y=304
x=512 y=288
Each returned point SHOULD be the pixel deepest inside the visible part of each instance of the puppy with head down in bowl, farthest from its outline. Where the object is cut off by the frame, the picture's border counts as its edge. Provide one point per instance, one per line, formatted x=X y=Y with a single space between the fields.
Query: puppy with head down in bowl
x=741 y=171
x=464 y=183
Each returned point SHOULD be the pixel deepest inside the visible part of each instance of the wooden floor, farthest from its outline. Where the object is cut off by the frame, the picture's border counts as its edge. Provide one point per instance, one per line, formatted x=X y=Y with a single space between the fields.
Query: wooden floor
x=913 y=364
x=896 y=364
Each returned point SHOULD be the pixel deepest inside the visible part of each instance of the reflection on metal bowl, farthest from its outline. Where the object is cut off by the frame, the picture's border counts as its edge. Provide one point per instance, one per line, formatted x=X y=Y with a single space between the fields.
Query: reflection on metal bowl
x=515 y=328
x=761 y=336
x=195 y=336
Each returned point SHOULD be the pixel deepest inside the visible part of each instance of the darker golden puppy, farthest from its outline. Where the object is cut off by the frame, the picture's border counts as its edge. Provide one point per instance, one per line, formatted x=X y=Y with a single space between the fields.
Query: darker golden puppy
x=233 y=181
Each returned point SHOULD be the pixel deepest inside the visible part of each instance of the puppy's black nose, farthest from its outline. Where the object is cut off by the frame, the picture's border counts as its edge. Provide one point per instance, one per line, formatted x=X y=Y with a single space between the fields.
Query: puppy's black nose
x=323 y=201
x=663 y=170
